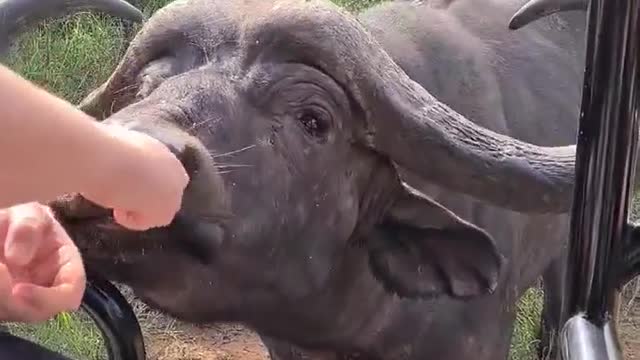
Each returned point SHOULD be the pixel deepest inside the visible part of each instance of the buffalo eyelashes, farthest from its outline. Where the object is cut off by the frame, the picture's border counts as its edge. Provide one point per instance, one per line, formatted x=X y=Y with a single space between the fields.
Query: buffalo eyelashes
x=314 y=122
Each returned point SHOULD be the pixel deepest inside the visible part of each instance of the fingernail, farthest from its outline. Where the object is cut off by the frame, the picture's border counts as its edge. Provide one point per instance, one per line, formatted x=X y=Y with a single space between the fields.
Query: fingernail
x=19 y=252
x=28 y=225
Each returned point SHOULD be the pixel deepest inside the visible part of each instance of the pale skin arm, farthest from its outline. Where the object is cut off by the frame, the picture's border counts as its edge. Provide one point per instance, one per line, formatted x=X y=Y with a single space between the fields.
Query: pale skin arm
x=49 y=148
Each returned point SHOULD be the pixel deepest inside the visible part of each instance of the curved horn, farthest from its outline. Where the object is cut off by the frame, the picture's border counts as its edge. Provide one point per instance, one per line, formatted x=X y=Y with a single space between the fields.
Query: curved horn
x=537 y=9
x=411 y=127
x=16 y=15
x=402 y=120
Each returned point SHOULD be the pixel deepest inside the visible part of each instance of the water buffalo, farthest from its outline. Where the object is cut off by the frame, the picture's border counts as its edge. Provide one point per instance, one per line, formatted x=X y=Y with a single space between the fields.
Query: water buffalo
x=299 y=125
x=524 y=83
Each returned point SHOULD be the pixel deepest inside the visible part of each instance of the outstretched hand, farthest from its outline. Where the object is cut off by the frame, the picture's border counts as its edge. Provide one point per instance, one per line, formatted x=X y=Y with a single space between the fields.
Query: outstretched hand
x=147 y=194
x=41 y=270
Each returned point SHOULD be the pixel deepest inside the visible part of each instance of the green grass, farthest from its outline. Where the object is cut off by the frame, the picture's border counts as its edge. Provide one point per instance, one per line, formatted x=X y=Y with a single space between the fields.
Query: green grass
x=525 y=341
x=70 y=57
x=73 y=335
x=356 y=5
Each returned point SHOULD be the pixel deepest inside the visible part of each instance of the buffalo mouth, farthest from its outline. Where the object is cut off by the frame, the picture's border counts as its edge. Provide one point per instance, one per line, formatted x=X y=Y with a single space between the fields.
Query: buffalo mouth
x=73 y=208
x=94 y=230
x=102 y=241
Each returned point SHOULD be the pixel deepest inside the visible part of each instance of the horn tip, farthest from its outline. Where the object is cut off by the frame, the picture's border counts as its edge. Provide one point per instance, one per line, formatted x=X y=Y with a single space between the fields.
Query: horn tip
x=516 y=22
x=521 y=18
x=136 y=15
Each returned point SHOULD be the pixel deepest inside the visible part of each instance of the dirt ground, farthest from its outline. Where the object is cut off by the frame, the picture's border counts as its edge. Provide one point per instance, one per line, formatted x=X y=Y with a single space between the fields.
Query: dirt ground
x=168 y=339
x=232 y=342
x=188 y=342
x=629 y=329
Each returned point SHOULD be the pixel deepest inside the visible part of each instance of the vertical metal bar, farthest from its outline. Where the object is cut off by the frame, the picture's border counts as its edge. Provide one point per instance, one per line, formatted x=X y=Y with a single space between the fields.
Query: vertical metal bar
x=606 y=146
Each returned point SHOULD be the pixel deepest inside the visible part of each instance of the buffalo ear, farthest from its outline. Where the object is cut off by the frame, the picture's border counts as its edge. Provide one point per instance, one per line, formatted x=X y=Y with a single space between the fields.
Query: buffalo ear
x=421 y=249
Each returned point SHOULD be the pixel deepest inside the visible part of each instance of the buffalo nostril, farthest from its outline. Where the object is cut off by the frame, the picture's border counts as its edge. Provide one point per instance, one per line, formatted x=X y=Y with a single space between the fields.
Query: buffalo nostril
x=188 y=157
x=177 y=143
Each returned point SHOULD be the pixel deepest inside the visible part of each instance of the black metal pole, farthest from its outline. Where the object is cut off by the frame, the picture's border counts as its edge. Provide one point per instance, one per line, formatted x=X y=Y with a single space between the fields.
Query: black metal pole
x=605 y=159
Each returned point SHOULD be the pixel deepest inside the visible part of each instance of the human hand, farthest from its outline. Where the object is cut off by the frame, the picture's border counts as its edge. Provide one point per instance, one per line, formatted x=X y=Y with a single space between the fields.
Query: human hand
x=41 y=270
x=148 y=193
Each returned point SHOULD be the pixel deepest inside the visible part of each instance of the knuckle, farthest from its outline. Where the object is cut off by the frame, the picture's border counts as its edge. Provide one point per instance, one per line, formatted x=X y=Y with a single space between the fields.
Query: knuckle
x=30 y=218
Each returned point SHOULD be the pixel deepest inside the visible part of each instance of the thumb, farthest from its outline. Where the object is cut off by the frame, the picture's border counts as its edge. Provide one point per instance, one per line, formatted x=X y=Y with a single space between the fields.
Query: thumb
x=26 y=232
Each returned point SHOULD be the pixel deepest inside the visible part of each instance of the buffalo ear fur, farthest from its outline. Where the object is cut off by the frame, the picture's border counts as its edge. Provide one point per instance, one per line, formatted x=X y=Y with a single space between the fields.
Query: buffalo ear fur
x=421 y=249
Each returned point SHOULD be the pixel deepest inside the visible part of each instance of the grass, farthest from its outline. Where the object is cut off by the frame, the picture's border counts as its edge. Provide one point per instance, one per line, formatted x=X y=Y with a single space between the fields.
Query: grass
x=356 y=5
x=525 y=341
x=73 y=335
x=72 y=56
x=69 y=57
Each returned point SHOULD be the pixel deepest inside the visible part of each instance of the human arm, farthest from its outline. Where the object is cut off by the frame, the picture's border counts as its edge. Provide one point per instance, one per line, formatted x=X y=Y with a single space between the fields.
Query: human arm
x=48 y=148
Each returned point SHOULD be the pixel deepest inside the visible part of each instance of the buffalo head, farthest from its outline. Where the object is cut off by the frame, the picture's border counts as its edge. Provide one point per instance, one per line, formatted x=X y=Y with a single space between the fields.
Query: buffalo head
x=291 y=120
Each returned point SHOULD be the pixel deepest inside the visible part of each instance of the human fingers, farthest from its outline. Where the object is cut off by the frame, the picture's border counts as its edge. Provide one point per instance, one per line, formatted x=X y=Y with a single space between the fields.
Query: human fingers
x=48 y=268
x=160 y=182
x=37 y=302
x=29 y=225
x=130 y=220
x=142 y=221
x=149 y=192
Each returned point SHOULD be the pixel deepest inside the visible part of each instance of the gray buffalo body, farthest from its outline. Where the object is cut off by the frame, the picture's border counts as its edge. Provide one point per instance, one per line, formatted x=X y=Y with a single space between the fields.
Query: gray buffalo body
x=297 y=124
x=525 y=83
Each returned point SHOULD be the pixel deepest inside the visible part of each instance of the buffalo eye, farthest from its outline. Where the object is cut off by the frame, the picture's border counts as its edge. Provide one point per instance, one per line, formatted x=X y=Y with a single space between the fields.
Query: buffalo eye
x=314 y=122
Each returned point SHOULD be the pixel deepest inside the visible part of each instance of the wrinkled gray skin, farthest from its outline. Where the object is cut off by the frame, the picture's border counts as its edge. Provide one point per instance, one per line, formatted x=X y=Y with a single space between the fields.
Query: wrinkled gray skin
x=291 y=121
x=524 y=83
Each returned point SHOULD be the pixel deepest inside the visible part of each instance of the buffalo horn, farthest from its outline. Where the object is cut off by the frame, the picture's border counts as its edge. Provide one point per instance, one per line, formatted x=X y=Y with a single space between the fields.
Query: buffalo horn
x=537 y=9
